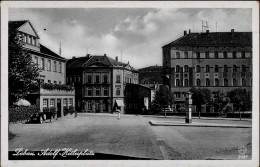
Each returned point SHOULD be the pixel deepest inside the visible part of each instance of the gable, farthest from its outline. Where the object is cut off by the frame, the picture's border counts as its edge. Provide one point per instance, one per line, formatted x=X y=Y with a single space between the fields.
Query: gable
x=28 y=29
x=97 y=64
x=128 y=67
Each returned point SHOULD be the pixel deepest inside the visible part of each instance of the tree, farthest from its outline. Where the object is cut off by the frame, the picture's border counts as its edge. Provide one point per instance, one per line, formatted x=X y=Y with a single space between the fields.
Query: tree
x=163 y=97
x=22 y=72
x=200 y=96
x=241 y=98
x=219 y=101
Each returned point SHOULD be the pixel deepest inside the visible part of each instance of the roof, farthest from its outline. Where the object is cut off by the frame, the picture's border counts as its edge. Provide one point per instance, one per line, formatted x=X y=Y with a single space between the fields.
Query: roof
x=214 y=39
x=151 y=68
x=45 y=50
x=93 y=59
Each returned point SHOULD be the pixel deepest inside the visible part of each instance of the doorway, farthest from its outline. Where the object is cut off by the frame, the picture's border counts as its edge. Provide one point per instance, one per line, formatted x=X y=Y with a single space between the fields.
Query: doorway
x=58 y=107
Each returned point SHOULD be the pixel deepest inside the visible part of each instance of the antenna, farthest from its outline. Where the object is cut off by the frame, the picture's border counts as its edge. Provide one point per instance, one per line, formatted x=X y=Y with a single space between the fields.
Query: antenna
x=216 y=26
x=60 y=49
x=121 y=55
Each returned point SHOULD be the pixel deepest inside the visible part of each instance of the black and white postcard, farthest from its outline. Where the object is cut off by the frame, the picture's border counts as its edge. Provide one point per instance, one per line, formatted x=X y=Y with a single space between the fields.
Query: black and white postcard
x=122 y=83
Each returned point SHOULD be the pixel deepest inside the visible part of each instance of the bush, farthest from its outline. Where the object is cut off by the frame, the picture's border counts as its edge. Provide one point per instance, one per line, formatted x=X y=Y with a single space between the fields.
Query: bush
x=65 y=110
x=181 y=109
x=22 y=113
x=71 y=110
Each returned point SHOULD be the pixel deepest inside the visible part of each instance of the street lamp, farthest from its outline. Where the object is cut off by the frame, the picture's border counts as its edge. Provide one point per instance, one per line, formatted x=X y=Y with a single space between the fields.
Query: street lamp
x=188 y=118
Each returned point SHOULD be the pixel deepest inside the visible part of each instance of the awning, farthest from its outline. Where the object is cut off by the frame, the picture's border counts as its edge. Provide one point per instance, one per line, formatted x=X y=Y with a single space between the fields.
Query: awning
x=120 y=103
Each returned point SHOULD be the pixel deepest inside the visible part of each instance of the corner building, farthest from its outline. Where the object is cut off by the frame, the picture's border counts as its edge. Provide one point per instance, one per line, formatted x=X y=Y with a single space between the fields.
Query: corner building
x=214 y=60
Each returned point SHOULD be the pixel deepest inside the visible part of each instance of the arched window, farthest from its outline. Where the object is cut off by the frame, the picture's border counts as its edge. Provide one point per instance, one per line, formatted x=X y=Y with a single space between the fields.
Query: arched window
x=207 y=68
x=243 y=54
x=185 y=55
x=234 y=54
x=234 y=68
x=234 y=82
x=243 y=82
x=186 y=82
x=225 y=68
x=177 y=68
x=207 y=55
x=225 y=82
x=197 y=68
x=216 y=55
x=177 y=55
x=198 y=82
x=207 y=82
x=243 y=68
x=198 y=55
x=216 y=82
x=177 y=82
x=186 y=68
x=216 y=68
x=225 y=54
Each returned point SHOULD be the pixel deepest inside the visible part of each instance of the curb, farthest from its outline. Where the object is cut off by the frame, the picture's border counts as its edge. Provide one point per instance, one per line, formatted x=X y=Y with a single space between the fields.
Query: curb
x=152 y=123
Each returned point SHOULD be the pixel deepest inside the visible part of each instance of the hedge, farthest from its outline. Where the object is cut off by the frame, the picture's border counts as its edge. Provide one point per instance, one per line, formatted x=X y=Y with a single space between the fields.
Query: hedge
x=22 y=113
x=67 y=110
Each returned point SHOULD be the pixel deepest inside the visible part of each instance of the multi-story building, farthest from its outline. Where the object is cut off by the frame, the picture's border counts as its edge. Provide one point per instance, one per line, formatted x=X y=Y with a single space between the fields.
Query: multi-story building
x=214 y=60
x=100 y=82
x=52 y=69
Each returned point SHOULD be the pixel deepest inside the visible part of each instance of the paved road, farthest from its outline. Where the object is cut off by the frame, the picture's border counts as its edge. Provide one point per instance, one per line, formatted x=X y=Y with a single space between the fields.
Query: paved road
x=133 y=136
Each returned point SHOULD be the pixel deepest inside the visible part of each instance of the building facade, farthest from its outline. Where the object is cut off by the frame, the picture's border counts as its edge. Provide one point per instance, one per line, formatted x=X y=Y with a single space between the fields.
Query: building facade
x=52 y=70
x=214 y=60
x=100 y=82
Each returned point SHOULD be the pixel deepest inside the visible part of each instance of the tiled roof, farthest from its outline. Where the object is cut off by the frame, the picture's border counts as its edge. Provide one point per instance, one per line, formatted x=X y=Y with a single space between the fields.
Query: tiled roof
x=16 y=24
x=214 y=39
x=45 y=50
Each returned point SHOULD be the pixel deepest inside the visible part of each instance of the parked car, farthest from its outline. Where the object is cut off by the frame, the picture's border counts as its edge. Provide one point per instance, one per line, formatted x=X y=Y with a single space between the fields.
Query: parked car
x=41 y=117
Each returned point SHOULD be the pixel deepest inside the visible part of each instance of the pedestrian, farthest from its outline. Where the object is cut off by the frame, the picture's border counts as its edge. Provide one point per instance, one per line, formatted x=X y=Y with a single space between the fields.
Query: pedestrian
x=76 y=114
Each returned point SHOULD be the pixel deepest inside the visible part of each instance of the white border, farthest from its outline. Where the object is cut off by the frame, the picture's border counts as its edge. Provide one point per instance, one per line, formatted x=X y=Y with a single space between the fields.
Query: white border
x=127 y=4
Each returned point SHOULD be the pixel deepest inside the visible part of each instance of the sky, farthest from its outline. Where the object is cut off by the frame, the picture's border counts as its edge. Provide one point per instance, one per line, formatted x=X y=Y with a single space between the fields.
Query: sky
x=137 y=34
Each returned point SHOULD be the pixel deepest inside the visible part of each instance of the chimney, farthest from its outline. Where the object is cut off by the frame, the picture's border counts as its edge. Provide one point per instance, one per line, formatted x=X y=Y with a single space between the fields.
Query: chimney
x=232 y=30
x=88 y=55
x=105 y=54
x=185 y=32
x=189 y=31
x=207 y=31
x=116 y=58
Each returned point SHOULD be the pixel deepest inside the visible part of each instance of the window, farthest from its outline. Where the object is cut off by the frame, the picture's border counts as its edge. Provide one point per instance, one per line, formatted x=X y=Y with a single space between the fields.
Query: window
x=52 y=103
x=207 y=82
x=36 y=60
x=198 y=82
x=105 y=79
x=207 y=55
x=118 y=92
x=207 y=68
x=243 y=82
x=45 y=103
x=105 y=91
x=177 y=68
x=178 y=82
x=243 y=68
x=243 y=54
x=225 y=82
x=225 y=68
x=177 y=55
x=216 y=82
x=186 y=82
x=97 y=78
x=60 y=82
x=54 y=66
x=186 y=68
x=216 y=68
x=33 y=41
x=64 y=102
x=49 y=81
x=42 y=63
x=25 y=38
x=97 y=91
x=49 y=65
x=29 y=40
x=198 y=55
x=234 y=68
x=70 y=102
x=89 y=92
x=89 y=78
x=197 y=68
x=216 y=55
x=89 y=106
x=185 y=55
x=178 y=94
x=118 y=79
x=234 y=82
x=234 y=55
x=225 y=54
x=60 y=67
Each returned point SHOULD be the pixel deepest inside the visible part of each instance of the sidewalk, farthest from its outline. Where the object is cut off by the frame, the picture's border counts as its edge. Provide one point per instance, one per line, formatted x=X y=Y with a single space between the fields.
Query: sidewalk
x=196 y=124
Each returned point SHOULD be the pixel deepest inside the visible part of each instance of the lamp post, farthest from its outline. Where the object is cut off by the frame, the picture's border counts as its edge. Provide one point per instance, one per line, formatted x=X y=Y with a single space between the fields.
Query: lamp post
x=188 y=118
